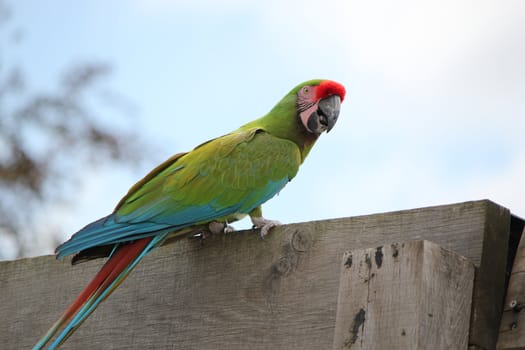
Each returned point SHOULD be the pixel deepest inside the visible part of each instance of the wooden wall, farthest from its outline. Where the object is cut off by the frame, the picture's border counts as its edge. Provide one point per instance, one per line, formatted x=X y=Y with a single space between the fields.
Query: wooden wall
x=237 y=291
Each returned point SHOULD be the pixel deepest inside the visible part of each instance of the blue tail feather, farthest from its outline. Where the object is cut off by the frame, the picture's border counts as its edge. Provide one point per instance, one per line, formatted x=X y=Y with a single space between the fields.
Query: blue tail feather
x=106 y=231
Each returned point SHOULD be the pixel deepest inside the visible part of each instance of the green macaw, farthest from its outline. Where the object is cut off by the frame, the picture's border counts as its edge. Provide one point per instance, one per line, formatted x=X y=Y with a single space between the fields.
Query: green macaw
x=203 y=190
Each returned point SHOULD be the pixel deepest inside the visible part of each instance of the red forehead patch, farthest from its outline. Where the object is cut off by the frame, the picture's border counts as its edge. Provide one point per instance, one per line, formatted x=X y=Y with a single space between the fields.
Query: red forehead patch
x=329 y=87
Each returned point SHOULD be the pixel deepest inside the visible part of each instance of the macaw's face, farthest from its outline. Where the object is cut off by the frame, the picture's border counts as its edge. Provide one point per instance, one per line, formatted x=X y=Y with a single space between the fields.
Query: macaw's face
x=318 y=106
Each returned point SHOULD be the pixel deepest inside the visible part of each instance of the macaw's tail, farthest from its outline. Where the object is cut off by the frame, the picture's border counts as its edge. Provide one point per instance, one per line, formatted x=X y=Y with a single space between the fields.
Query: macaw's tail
x=110 y=276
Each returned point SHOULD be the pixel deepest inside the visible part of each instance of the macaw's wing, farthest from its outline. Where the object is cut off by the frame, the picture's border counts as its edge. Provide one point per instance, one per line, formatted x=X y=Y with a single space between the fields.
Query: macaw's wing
x=229 y=175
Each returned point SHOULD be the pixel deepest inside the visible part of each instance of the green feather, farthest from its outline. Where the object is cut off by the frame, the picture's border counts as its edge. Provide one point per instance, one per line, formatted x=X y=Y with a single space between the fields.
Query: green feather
x=282 y=121
x=235 y=170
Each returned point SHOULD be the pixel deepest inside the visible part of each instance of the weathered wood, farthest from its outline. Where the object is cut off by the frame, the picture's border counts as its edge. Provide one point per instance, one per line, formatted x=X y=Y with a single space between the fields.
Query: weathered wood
x=512 y=329
x=413 y=295
x=488 y=301
x=237 y=291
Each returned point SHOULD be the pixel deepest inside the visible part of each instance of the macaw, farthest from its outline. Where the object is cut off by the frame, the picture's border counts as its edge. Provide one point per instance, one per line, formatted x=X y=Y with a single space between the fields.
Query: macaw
x=218 y=182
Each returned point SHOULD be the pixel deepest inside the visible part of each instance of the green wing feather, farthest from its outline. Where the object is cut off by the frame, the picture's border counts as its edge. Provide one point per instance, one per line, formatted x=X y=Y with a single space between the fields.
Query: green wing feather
x=232 y=174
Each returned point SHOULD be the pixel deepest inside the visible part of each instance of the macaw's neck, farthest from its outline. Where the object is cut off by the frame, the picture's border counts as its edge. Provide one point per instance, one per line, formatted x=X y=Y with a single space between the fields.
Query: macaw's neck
x=283 y=122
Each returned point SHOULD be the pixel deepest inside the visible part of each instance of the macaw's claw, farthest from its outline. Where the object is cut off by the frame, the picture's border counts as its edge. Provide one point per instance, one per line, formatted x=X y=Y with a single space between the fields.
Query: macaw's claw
x=202 y=235
x=264 y=224
x=228 y=229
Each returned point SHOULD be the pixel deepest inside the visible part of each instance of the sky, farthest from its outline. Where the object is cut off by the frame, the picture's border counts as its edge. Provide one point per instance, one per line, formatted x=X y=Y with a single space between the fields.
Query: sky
x=434 y=113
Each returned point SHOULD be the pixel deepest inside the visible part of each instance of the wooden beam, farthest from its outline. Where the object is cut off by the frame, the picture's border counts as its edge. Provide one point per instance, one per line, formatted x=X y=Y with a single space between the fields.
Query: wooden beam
x=512 y=329
x=237 y=291
x=413 y=295
x=489 y=284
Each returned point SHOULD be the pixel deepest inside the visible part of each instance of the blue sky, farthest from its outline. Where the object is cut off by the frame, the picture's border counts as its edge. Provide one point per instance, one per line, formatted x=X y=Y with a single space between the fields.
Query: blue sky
x=436 y=92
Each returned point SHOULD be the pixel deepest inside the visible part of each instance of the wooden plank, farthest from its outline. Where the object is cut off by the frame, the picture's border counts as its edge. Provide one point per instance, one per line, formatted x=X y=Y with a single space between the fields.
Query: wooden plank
x=237 y=291
x=512 y=329
x=413 y=295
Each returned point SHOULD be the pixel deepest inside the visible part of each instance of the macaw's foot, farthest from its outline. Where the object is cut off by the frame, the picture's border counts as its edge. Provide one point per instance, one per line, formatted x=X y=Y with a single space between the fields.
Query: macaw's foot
x=264 y=224
x=220 y=227
x=212 y=228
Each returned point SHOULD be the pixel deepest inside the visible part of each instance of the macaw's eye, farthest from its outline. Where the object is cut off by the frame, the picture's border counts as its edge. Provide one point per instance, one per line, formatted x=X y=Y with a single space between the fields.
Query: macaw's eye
x=306 y=90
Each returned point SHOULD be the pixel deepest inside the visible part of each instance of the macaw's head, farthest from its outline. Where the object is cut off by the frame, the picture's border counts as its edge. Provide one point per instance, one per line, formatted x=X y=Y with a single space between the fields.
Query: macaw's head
x=318 y=103
x=304 y=113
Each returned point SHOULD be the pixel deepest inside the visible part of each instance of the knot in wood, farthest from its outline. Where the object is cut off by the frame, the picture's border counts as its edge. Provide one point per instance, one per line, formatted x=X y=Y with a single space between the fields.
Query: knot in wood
x=301 y=241
x=516 y=306
x=283 y=266
x=347 y=257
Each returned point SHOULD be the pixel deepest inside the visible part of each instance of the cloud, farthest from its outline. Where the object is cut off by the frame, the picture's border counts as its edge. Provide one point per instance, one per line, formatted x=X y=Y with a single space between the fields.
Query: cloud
x=402 y=41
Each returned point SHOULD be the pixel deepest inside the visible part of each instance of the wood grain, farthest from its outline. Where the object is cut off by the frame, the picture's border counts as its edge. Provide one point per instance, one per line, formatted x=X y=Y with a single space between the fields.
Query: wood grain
x=237 y=291
x=413 y=295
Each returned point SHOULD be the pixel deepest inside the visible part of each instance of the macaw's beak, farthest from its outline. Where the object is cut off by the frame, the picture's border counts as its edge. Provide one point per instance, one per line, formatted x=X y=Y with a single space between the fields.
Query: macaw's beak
x=325 y=117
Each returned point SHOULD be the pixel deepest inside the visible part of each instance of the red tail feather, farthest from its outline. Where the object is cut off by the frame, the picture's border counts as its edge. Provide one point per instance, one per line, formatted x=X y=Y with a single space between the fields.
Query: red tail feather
x=122 y=257
x=112 y=269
